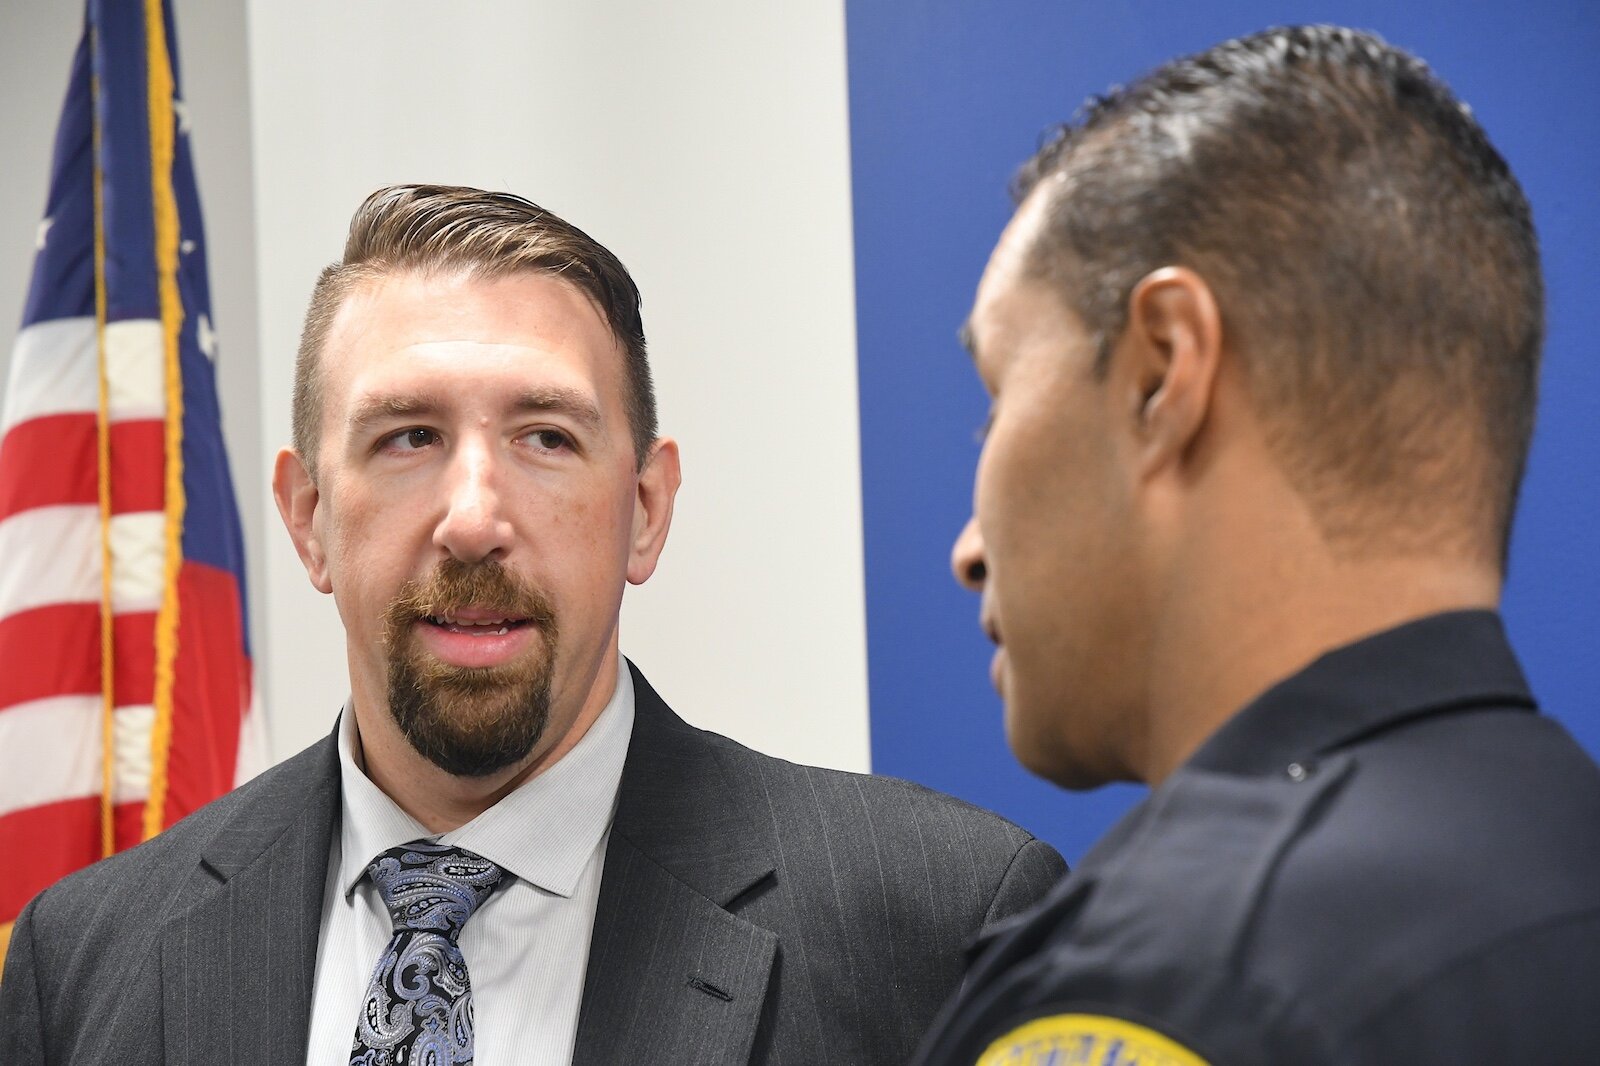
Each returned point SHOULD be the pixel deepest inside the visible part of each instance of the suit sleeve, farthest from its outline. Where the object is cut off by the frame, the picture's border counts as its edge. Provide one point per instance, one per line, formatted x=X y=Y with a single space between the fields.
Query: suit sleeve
x=1035 y=869
x=21 y=1024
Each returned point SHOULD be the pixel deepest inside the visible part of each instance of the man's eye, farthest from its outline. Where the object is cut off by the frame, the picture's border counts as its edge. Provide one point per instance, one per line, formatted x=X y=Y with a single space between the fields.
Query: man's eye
x=981 y=434
x=412 y=439
x=551 y=440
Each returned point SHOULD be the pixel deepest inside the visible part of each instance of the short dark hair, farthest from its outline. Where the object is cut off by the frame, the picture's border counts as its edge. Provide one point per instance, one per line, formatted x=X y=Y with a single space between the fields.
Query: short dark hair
x=1372 y=254
x=431 y=228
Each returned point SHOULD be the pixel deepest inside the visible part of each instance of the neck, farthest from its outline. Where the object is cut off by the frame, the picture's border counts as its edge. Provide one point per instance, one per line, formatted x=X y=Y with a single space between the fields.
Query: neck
x=1245 y=610
x=442 y=801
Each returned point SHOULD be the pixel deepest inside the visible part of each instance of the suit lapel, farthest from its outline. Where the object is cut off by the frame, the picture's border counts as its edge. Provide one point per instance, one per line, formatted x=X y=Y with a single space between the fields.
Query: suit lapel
x=238 y=961
x=673 y=976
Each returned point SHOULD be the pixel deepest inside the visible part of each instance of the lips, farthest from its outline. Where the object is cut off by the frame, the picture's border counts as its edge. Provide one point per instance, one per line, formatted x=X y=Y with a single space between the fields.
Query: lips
x=491 y=625
x=489 y=641
x=997 y=664
x=990 y=628
x=472 y=615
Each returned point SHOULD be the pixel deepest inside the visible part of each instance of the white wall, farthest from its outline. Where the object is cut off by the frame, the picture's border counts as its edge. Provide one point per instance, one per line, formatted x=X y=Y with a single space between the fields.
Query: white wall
x=705 y=143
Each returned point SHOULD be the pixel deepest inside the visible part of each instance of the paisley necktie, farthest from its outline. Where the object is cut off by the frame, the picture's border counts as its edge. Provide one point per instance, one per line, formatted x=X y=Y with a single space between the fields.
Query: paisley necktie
x=418 y=1007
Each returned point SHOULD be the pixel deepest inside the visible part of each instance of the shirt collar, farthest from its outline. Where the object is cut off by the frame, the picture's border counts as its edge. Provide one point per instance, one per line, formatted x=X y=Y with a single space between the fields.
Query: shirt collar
x=544 y=832
x=1444 y=662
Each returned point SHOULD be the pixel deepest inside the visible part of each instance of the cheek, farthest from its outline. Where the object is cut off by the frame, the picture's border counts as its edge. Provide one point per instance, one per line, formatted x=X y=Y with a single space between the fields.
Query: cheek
x=587 y=534
x=1006 y=494
x=361 y=589
x=358 y=539
x=578 y=517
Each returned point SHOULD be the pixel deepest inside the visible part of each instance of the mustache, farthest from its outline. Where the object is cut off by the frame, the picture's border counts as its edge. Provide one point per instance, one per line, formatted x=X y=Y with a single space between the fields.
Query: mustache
x=456 y=585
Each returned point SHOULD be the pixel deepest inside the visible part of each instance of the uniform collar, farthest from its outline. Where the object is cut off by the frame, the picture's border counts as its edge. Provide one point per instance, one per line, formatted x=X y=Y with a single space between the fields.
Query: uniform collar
x=544 y=832
x=1443 y=663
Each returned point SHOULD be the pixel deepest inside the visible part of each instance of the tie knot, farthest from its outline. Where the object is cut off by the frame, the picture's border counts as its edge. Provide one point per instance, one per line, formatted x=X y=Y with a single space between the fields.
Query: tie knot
x=433 y=887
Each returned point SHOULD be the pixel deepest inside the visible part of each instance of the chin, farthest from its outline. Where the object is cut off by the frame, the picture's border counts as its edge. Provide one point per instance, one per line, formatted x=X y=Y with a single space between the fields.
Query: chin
x=1043 y=752
x=1064 y=773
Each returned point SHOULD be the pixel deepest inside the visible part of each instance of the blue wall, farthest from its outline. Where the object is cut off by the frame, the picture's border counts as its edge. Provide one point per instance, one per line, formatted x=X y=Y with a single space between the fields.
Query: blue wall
x=946 y=99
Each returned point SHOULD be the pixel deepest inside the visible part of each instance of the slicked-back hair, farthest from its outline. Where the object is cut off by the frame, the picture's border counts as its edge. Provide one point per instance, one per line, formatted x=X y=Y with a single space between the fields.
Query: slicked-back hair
x=428 y=229
x=1373 y=257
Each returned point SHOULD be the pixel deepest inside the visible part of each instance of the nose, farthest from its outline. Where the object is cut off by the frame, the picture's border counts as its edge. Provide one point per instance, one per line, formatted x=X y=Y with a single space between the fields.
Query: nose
x=966 y=558
x=474 y=526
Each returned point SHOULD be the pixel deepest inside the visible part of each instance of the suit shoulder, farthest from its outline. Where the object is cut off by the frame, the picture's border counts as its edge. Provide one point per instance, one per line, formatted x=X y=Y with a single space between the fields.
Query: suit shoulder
x=884 y=796
x=159 y=865
x=905 y=824
x=797 y=784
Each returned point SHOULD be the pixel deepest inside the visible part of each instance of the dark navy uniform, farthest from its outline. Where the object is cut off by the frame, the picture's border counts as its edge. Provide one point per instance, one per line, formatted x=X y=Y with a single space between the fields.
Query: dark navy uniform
x=1390 y=857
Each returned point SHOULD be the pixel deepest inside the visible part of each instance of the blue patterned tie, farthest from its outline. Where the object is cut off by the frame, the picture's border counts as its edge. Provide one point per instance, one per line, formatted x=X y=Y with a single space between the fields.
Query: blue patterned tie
x=418 y=1008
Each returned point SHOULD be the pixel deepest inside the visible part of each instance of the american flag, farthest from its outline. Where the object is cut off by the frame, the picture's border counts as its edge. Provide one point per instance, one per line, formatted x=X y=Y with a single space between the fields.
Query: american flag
x=125 y=676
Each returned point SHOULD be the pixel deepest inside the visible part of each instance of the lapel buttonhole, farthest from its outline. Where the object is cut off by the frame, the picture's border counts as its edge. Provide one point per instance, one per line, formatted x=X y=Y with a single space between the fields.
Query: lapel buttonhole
x=710 y=989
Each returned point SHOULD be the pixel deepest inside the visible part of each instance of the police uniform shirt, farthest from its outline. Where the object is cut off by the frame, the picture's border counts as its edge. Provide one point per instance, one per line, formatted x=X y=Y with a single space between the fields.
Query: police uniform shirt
x=1390 y=857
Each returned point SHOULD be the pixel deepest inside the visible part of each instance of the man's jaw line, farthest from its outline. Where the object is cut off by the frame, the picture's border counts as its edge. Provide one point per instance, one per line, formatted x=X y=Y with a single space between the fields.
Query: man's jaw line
x=439 y=800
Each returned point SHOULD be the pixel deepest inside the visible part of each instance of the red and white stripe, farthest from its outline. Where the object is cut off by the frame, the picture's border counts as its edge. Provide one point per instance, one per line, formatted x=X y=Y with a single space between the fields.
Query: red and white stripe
x=52 y=751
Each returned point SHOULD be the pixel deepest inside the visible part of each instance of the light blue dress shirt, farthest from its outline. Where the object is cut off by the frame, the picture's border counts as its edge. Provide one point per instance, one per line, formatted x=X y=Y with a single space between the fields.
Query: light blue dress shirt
x=527 y=947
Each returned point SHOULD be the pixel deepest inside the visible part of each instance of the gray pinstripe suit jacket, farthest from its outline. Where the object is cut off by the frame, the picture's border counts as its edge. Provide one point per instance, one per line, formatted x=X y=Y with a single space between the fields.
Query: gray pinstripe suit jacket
x=751 y=911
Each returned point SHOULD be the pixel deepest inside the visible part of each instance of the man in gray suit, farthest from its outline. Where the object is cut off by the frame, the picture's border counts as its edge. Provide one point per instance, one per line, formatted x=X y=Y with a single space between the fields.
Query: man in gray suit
x=508 y=824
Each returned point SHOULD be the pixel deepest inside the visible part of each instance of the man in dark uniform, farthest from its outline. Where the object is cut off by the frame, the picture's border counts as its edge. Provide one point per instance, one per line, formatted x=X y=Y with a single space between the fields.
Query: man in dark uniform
x=1262 y=341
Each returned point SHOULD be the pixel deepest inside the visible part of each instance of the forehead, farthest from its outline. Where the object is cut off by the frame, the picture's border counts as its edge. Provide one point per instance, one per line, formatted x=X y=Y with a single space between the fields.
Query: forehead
x=1015 y=301
x=1013 y=255
x=444 y=325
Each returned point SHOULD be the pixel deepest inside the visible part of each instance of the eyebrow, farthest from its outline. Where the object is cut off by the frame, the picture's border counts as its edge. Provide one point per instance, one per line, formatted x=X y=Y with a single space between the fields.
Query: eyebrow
x=560 y=400
x=556 y=399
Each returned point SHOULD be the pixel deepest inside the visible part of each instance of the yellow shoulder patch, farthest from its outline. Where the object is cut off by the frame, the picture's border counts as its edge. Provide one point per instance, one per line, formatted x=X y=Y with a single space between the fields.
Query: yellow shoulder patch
x=1089 y=1040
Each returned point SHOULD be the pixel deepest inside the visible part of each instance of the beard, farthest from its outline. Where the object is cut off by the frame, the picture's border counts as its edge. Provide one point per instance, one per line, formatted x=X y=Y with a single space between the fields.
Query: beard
x=469 y=721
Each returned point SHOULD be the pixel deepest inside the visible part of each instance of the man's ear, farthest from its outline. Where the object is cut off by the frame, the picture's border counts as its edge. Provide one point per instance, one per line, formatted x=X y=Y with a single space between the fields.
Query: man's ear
x=652 y=508
x=297 y=496
x=1168 y=358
